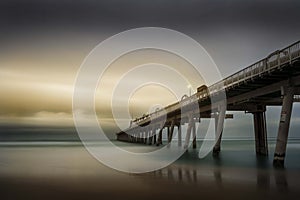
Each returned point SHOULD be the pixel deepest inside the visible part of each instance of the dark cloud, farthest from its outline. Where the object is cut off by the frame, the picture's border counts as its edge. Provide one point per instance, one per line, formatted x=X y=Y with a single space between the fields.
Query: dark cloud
x=118 y=13
x=257 y=26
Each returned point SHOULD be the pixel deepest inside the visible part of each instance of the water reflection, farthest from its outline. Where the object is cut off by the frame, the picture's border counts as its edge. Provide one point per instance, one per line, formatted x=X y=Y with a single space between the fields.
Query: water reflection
x=264 y=177
x=281 y=180
x=235 y=174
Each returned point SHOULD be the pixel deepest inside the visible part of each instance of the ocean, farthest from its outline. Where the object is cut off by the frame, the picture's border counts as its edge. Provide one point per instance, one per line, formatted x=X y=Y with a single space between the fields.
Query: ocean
x=65 y=170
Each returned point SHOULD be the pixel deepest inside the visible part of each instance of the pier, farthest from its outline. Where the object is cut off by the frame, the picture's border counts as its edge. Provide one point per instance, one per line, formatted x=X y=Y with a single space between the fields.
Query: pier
x=272 y=81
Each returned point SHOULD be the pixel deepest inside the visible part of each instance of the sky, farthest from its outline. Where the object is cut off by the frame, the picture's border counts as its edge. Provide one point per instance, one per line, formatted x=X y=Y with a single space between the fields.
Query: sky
x=43 y=44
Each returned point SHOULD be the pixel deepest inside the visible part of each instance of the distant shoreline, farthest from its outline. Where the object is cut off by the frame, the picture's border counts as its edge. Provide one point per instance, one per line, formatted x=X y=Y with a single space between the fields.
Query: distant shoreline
x=69 y=134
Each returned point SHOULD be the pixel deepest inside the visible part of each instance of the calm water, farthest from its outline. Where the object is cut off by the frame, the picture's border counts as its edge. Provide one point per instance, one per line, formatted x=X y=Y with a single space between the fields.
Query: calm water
x=65 y=170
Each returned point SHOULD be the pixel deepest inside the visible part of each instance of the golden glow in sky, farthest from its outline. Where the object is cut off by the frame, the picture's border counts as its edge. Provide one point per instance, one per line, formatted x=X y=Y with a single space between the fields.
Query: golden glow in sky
x=37 y=85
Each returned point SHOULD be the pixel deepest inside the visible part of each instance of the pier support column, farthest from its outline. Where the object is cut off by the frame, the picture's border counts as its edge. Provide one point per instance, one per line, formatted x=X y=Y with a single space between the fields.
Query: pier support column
x=168 y=132
x=154 y=139
x=154 y=136
x=284 y=124
x=130 y=137
x=140 y=136
x=188 y=132
x=151 y=135
x=260 y=129
x=194 y=135
x=146 y=136
x=159 y=139
x=171 y=131
x=136 y=137
x=219 y=125
x=179 y=136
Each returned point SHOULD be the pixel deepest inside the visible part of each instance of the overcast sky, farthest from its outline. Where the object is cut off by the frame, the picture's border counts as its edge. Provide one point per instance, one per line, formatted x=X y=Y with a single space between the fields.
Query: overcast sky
x=43 y=43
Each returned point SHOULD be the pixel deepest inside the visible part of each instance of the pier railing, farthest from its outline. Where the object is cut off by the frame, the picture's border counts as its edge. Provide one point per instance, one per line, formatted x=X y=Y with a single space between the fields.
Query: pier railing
x=272 y=62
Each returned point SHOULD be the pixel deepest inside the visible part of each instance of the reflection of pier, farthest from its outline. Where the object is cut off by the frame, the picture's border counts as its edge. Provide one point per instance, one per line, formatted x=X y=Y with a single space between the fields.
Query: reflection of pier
x=274 y=80
x=264 y=178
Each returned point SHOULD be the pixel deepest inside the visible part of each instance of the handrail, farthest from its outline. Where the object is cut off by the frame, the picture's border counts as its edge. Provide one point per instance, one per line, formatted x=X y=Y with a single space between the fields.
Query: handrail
x=254 y=66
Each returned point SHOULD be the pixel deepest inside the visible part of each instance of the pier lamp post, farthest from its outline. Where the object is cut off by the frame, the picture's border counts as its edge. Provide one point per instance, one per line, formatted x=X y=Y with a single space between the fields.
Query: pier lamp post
x=190 y=89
